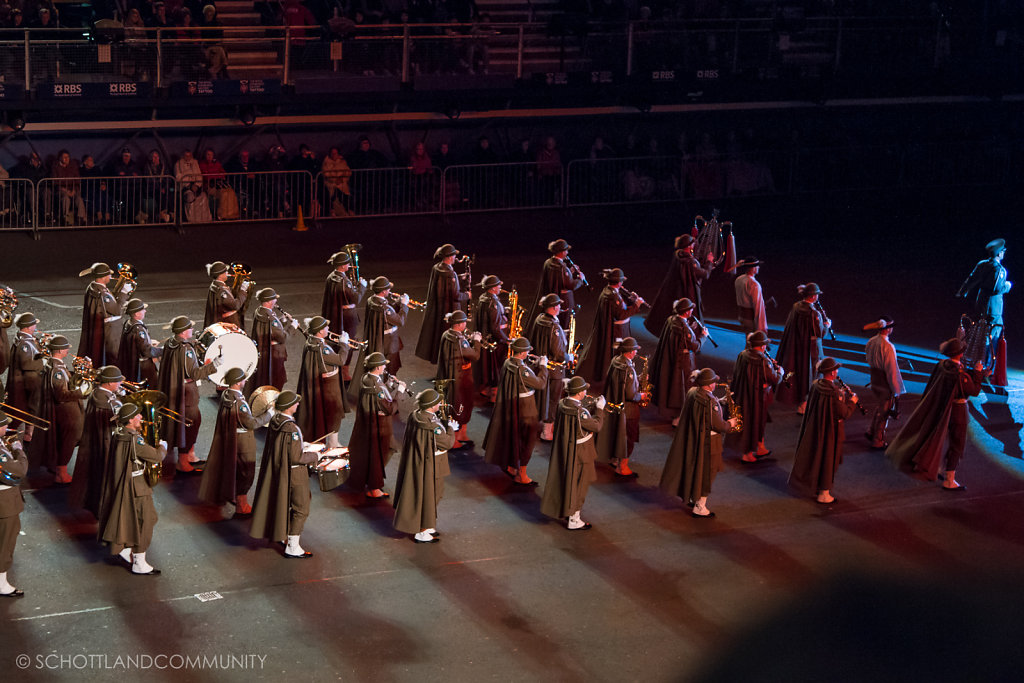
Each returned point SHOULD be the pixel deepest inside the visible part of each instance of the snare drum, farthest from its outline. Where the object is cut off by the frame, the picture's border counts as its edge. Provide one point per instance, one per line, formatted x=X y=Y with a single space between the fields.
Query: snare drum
x=332 y=468
x=232 y=346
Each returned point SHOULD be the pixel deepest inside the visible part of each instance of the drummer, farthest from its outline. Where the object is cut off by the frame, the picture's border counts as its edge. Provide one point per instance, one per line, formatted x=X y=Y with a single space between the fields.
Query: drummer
x=180 y=371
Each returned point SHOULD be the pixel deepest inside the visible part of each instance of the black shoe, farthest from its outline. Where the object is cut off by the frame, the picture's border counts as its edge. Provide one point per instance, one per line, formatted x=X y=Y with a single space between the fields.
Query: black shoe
x=464 y=446
x=304 y=556
x=831 y=502
x=880 y=447
x=958 y=487
x=707 y=516
x=587 y=526
x=631 y=475
x=16 y=593
x=525 y=484
x=151 y=572
x=380 y=497
x=435 y=539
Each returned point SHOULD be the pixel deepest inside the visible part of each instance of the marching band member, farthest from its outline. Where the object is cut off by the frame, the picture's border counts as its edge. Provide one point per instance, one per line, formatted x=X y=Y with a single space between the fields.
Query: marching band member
x=128 y=517
x=819 y=448
x=420 y=483
x=674 y=360
x=323 y=405
x=24 y=377
x=491 y=321
x=695 y=456
x=221 y=304
x=513 y=430
x=271 y=337
x=136 y=354
x=282 y=500
x=754 y=377
x=558 y=278
x=341 y=296
x=370 y=444
x=180 y=370
x=886 y=380
x=571 y=468
x=455 y=364
x=231 y=463
x=445 y=293
x=88 y=486
x=622 y=389
x=684 y=278
x=800 y=347
x=381 y=327
x=610 y=324
x=62 y=407
x=940 y=418
x=548 y=338
x=749 y=299
x=101 y=316
x=13 y=468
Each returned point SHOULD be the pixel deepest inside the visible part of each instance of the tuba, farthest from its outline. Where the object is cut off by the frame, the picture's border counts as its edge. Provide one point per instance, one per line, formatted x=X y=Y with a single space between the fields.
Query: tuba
x=353 y=252
x=152 y=404
x=83 y=376
x=126 y=275
x=8 y=304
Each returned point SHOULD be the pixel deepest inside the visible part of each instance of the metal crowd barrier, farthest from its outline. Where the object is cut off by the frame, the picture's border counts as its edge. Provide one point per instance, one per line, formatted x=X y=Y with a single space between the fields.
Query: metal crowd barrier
x=104 y=201
x=379 y=192
x=115 y=201
x=491 y=187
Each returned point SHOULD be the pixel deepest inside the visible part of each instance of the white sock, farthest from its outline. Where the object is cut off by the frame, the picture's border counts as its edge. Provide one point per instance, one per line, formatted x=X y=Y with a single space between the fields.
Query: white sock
x=293 y=547
x=423 y=536
x=140 y=566
x=126 y=555
x=4 y=586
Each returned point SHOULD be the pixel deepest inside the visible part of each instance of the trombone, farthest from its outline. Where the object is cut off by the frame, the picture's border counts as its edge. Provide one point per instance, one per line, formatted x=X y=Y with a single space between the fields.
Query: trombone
x=164 y=411
x=24 y=416
x=353 y=253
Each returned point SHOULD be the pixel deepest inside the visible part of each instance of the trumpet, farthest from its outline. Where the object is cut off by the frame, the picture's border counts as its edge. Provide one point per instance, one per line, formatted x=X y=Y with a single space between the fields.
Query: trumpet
x=552 y=364
x=615 y=408
x=8 y=304
x=24 y=416
x=345 y=340
x=126 y=275
x=413 y=304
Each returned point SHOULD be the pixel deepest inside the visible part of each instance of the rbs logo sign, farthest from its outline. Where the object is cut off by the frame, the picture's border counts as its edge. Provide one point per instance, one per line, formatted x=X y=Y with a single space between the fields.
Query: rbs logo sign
x=71 y=89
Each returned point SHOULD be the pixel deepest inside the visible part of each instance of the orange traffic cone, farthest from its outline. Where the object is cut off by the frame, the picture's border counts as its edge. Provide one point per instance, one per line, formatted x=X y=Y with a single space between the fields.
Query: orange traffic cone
x=300 y=225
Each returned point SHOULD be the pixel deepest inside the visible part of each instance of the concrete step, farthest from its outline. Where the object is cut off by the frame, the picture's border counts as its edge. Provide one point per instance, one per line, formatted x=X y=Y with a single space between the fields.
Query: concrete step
x=255 y=70
x=253 y=57
x=239 y=18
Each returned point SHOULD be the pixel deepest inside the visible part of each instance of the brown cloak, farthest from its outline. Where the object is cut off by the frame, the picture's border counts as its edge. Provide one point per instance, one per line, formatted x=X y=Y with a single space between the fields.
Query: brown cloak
x=571 y=468
x=819 y=448
x=695 y=456
x=420 y=483
x=369 y=447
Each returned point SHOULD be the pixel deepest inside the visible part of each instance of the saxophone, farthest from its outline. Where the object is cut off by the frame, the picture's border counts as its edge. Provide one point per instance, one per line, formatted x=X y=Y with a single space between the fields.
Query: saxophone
x=515 y=318
x=735 y=412
x=572 y=344
x=646 y=388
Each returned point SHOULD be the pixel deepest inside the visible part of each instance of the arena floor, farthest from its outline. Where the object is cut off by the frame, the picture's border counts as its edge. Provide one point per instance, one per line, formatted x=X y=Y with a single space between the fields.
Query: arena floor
x=648 y=594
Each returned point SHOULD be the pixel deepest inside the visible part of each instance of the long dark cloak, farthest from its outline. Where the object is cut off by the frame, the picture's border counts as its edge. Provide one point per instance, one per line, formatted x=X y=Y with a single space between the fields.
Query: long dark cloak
x=612 y=441
x=218 y=483
x=488 y=320
x=598 y=350
x=128 y=362
x=819 y=448
x=5 y=354
x=555 y=278
x=420 y=484
x=91 y=343
x=119 y=524
x=683 y=279
x=571 y=467
x=798 y=352
x=172 y=383
x=548 y=339
x=671 y=367
x=49 y=448
x=459 y=392
x=370 y=444
x=373 y=334
x=920 y=443
x=323 y=405
x=442 y=298
x=270 y=368
x=338 y=293
x=501 y=442
x=272 y=501
x=89 y=481
x=693 y=461
x=750 y=374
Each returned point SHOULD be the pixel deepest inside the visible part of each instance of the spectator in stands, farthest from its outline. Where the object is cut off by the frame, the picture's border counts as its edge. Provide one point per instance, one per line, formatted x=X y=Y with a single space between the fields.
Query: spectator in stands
x=366 y=157
x=482 y=183
x=422 y=171
x=277 y=202
x=189 y=177
x=125 y=191
x=134 y=26
x=298 y=17
x=478 y=51
x=32 y=169
x=300 y=183
x=44 y=60
x=15 y=19
x=524 y=174
x=69 y=189
x=444 y=158
x=336 y=174
x=484 y=153
x=245 y=178
x=157 y=198
x=211 y=23
x=159 y=18
x=364 y=160
x=601 y=175
x=94 y=191
x=549 y=171
x=213 y=178
x=215 y=62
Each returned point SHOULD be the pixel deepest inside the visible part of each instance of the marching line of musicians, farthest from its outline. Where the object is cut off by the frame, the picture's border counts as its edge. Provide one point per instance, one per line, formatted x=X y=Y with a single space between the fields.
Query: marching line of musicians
x=585 y=398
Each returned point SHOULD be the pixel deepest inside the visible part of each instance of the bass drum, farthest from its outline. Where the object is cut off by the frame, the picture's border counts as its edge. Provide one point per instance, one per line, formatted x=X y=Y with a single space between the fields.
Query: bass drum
x=234 y=349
